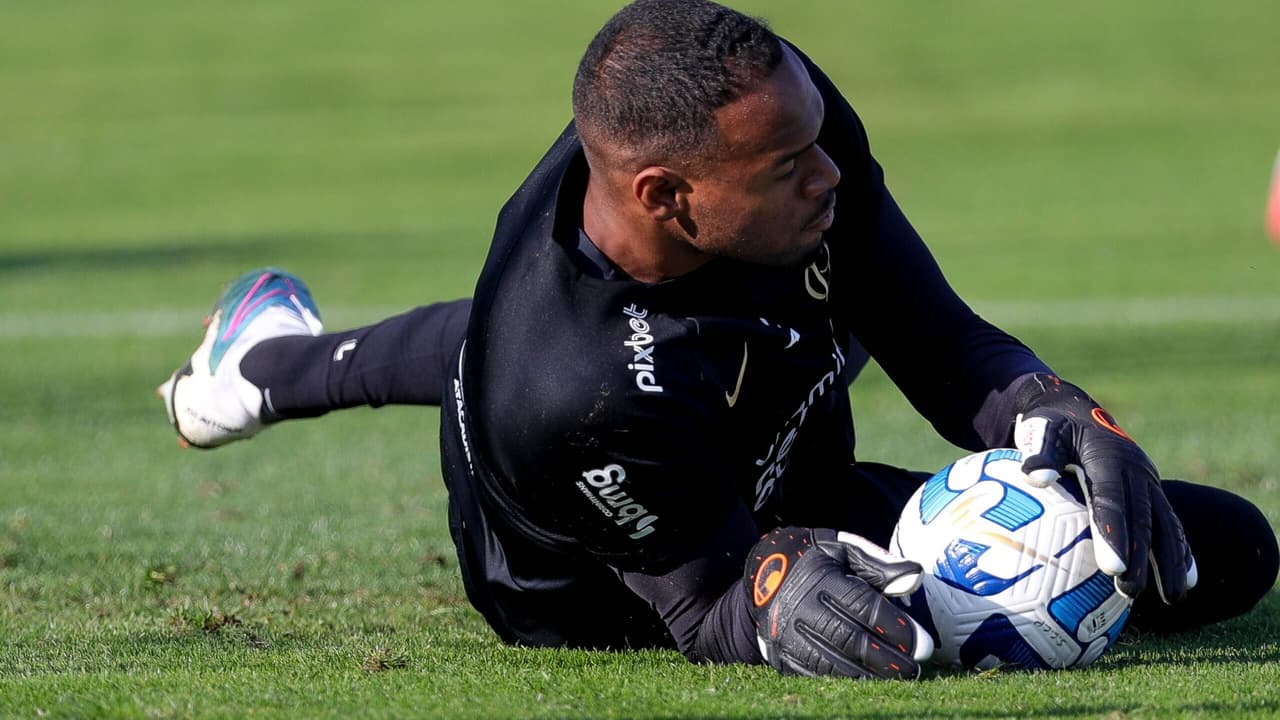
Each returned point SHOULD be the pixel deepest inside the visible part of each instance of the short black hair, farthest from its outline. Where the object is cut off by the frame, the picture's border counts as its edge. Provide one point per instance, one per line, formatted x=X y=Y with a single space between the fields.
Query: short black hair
x=653 y=76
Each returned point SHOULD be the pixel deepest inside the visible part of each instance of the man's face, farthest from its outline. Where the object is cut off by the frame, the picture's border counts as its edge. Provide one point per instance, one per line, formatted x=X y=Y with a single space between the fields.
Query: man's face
x=768 y=193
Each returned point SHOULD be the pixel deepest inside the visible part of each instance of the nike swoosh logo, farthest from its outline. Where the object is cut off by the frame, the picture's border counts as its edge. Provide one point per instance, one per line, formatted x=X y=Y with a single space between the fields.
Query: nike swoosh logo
x=737 y=388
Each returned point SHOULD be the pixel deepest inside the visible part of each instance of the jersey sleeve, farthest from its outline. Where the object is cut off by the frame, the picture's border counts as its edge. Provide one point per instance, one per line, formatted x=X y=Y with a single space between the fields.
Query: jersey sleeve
x=702 y=600
x=958 y=370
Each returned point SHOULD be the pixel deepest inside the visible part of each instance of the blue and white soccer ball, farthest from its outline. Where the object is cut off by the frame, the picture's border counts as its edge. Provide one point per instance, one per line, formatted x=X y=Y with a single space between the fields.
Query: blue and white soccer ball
x=1010 y=577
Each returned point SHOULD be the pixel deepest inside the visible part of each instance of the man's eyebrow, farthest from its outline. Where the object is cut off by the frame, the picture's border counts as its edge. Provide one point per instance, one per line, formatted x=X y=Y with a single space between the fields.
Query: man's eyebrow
x=792 y=156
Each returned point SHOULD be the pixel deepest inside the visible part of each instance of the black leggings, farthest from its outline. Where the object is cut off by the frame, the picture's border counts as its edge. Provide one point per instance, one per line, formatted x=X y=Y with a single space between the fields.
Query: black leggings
x=1236 y=556
x=402 y=360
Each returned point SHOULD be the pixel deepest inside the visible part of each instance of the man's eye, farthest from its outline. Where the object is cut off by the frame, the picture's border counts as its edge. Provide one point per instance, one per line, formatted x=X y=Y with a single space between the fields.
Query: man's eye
x=791 y=170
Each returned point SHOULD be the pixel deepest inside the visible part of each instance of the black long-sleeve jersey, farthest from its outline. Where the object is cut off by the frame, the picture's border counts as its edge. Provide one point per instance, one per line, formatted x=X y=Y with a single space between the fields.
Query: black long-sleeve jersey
x=660 y=428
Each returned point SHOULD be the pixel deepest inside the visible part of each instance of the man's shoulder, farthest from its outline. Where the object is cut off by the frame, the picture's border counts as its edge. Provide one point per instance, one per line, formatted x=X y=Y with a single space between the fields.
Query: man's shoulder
x=532 y=208
x=593 y=369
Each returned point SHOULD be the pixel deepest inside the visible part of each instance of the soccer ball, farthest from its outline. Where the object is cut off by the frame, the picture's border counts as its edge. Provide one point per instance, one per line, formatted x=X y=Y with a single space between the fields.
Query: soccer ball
x=1010 y=577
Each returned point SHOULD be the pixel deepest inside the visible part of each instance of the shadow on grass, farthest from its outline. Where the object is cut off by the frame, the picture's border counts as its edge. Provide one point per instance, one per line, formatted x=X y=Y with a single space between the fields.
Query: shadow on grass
x=180 y=252
x=99 y=254
x=1250 y=638
x=1101 y=710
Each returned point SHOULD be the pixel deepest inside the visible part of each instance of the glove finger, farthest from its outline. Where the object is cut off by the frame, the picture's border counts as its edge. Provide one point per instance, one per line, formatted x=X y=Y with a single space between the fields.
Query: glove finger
x=1122 y=507
x=1134 y=579
x=893 y=577
x=886 y=572
x=1171 y=557
x=1107 y=499
x=885 y=640
x=895 y=651
x=1043 y=453
x=872 y=564
x=818 y=656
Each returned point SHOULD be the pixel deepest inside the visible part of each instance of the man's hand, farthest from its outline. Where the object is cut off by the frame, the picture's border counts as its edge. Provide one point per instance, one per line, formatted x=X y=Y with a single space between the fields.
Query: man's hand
x=818 y=601
x=1059 y=428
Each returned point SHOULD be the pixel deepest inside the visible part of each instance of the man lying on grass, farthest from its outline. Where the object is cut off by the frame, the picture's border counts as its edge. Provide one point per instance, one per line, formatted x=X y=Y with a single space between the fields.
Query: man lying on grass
x=650 y=379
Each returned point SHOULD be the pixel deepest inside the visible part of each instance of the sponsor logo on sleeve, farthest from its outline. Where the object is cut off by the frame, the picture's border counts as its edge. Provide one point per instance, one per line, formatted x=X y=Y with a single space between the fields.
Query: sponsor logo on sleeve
x=777 y=457
x=461 y=402
x=603 y=488
x=343 y=349
x=641 y=346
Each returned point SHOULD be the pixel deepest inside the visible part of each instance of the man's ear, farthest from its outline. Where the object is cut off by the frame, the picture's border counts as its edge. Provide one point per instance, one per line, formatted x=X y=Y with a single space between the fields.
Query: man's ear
x=662 y=192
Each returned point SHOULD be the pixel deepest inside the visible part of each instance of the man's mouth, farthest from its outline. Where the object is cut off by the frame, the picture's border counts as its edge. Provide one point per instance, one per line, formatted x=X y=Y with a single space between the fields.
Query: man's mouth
x=825 y=217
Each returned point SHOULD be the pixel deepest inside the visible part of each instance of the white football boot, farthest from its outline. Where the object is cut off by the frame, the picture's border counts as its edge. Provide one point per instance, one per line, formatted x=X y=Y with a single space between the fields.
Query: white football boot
x=209 y=402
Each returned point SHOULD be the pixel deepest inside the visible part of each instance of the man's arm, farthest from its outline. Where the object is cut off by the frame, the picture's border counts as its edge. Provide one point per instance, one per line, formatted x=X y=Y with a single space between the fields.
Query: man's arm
x=701 y=600
x=805 y=601
x=956 y=369
x=972 y=380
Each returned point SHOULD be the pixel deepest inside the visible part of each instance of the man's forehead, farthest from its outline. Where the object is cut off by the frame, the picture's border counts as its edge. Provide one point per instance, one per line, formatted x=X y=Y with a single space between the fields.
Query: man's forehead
x=775 y=114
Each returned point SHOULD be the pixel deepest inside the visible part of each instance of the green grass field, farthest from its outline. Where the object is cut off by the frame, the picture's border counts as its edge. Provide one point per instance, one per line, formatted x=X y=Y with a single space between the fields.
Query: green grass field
x=1091 y=176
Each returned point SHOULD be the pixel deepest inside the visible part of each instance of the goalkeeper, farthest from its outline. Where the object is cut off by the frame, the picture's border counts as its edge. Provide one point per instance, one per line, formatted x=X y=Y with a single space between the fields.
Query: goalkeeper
x=646 y=436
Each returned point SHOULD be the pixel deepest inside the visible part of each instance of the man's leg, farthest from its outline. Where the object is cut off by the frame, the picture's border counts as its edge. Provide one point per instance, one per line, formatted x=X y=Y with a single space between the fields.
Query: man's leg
x=262 y=360
x=402 y=360
x=1236 y=556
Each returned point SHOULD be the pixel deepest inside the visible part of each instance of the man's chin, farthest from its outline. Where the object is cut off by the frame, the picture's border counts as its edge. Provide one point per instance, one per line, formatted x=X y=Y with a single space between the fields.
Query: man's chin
x=793 y=259
x=802 y=253
x=798 y=254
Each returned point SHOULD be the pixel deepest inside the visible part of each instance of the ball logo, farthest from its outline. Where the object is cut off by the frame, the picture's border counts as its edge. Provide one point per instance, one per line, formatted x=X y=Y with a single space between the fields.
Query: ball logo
x=768 y=578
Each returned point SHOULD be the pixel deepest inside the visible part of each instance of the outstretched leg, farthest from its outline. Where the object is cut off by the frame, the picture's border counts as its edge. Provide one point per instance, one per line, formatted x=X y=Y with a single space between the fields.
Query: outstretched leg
x=399 y=361
x=1236 y=556
x=263 y=359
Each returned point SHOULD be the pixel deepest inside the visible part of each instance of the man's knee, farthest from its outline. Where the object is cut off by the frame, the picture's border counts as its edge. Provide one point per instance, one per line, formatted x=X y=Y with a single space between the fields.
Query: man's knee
x=1236 y=555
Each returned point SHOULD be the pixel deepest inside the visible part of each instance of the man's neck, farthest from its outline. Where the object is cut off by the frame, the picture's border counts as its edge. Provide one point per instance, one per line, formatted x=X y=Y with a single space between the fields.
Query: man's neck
x=639 y=246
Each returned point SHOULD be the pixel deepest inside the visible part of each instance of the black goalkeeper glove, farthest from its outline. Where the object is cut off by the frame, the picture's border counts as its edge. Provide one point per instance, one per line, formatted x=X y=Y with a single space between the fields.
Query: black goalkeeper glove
x=1060 y=428
x=817 y=598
